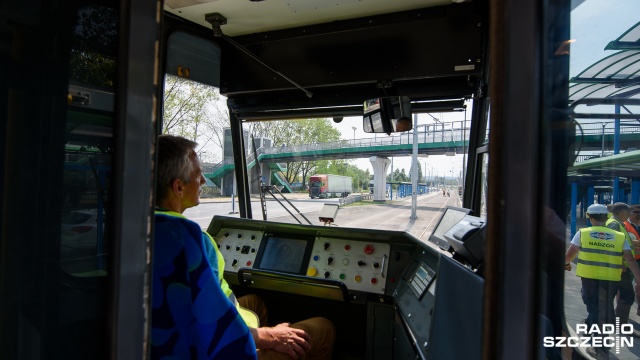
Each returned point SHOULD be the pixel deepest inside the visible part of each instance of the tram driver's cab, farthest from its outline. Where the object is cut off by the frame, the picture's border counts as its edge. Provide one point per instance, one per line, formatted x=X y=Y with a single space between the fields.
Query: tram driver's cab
x=382 y=289
x=378 y=288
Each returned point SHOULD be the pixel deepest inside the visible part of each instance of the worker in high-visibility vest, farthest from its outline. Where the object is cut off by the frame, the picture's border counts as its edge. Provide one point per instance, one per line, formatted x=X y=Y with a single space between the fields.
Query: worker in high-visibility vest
x=633 y=227
x=600 y=253
x=626 y=295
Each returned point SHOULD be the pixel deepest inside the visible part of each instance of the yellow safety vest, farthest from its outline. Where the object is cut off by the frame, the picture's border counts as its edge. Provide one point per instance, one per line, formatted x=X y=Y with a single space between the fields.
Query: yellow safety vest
x=249 y=317
x=600 y=255
x=627 y=237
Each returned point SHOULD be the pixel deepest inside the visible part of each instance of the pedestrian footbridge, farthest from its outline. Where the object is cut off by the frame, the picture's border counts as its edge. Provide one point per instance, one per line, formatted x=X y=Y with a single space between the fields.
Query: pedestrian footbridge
x=436 y=139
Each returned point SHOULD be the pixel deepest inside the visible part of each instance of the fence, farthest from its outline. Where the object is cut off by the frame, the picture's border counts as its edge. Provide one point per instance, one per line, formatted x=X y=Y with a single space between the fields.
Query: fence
x=354 y=198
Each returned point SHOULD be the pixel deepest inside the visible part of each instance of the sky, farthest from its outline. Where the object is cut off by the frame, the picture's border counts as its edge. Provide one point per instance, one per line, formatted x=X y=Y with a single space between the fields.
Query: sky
x=594 y=23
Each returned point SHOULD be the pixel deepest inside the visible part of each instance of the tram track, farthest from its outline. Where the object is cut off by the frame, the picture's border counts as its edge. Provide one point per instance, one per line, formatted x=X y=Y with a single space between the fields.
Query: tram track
x=396 y=216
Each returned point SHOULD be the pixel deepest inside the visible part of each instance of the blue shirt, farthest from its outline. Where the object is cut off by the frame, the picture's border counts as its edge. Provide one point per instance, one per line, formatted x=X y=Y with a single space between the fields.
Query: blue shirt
x=191 y=318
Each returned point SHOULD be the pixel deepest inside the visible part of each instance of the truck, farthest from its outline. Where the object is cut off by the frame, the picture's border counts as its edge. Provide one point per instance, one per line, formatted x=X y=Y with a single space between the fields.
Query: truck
x=327 y=185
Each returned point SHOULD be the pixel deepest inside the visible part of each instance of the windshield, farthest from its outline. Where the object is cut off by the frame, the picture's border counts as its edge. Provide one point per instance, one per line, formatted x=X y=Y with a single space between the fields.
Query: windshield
x=363 y=173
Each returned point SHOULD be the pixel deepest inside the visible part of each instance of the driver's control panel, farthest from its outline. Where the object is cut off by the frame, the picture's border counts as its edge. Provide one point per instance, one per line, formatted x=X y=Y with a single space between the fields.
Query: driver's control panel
x=359 y=265
x=239 y=247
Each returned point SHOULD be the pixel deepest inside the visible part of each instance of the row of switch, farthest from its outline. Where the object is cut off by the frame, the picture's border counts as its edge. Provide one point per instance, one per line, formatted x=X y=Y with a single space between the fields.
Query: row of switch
x=253 y=237
x=346 y=261
x=234 y=263
x=327 y=274
x=245 y=249
x=368 y=249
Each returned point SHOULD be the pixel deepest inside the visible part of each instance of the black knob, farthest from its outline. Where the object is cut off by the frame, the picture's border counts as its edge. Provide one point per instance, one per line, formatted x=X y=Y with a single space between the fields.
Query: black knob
x=228 y=247
x=361 y=263
x=253 y=237
x=226 y=234
x=327 y=274
x=237 y=248
x=326 y=245
x=330 y=260
x=234 y=262
x=376 y=265
x=239 y=236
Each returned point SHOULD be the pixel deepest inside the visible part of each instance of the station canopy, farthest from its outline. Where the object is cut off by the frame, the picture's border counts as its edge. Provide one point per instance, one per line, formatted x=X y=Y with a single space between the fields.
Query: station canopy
x=613 y=80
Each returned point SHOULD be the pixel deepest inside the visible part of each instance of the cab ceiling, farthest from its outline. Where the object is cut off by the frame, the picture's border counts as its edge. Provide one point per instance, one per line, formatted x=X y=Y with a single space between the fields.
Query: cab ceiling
x=339 y=53
x=247 y=17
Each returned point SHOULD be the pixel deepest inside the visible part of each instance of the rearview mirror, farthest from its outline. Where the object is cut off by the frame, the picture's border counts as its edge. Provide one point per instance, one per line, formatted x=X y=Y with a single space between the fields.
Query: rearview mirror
x=387 y=115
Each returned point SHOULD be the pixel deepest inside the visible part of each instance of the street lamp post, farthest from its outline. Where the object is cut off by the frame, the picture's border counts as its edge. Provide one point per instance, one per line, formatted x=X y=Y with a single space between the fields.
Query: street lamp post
x=354 y=132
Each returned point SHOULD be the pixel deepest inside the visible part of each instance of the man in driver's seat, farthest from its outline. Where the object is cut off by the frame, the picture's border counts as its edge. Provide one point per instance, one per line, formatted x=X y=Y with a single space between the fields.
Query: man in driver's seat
x=309 y=339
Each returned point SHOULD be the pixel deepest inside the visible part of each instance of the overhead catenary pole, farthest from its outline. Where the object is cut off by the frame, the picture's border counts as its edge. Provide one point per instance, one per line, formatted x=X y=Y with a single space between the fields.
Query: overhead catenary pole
x=414 y=170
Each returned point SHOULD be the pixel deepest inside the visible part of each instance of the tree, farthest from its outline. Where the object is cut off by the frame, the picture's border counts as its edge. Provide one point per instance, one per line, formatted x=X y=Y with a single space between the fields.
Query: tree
x=399 y=175
x=94 y=47
x=297 y=132
x=193 y=110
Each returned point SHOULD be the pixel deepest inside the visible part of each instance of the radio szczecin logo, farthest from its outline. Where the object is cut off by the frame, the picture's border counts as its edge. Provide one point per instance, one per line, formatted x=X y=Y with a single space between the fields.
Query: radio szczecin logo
x=606 y=335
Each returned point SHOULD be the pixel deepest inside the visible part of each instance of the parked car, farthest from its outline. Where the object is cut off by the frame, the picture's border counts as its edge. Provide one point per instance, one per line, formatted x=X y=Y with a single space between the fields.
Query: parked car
x=80 y=229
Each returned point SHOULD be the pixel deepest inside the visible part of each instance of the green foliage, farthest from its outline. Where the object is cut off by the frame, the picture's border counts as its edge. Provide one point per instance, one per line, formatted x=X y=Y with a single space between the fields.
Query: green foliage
x=402 y=176
x=193 y=110
x=297 y=132
x=399 y=175
x=94 y=46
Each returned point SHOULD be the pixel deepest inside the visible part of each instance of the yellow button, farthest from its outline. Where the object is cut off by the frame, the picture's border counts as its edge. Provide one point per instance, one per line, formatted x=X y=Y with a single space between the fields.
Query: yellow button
x=312 y=271
x=358 y=278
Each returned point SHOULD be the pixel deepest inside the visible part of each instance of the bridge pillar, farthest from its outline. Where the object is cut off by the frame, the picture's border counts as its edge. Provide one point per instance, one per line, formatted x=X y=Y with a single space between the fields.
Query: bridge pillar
x=589 y=199
x=228 y=184
x=574 y=204
x=255 y=181
x=380 y=166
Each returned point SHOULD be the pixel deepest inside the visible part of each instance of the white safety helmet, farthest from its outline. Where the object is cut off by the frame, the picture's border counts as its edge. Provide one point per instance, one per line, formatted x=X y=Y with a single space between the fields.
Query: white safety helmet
x=597 y=209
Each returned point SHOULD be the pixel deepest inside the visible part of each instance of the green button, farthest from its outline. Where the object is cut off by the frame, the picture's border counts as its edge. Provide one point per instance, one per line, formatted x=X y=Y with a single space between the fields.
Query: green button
x=342 y=276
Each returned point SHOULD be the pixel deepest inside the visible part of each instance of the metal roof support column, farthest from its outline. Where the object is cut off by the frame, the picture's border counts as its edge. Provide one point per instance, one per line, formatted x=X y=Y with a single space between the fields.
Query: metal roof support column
x=635 y=192
x=616 y=150
x=414 y=169
x=616 y=132
x=574 y=203
x=591 y=192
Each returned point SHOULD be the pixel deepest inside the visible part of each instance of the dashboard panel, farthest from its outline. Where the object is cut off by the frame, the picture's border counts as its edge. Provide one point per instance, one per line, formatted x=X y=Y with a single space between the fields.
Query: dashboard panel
x=412 y=296
x=326 y=255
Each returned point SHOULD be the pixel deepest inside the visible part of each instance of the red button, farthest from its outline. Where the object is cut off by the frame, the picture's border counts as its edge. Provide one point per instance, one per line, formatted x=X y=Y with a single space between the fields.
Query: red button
x=368 y=249
x=248 y=263
x=374 y=281
x=347 y=247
